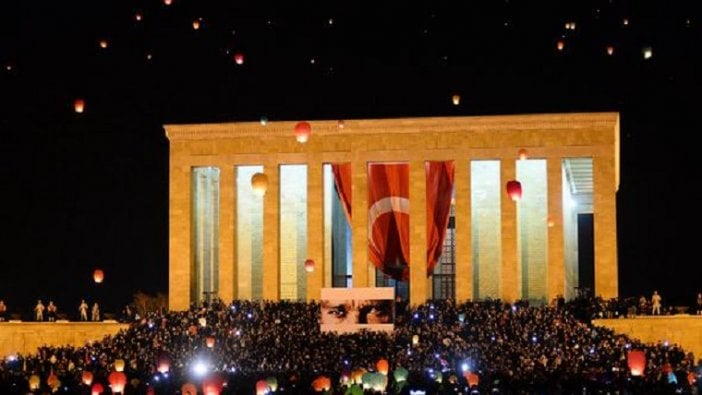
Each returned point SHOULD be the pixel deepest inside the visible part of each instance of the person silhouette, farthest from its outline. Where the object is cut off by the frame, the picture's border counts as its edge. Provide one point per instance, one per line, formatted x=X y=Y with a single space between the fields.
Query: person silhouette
x=39 y=311
x=83 y=310
x=95 y=313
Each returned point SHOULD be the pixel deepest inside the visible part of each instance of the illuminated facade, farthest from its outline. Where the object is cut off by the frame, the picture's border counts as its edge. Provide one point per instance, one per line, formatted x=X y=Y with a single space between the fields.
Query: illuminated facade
x=226 y=240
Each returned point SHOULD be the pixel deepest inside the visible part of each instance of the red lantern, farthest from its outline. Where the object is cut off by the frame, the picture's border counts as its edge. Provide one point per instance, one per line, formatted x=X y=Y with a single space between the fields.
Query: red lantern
x=522 y=154
x=167 y=2
x=150 y=391
x=560 y=45
x=210 y=341
x=188 y=389
x=321 y=383
x=117 y=380
x=98 y=276
x=87 y=378
x=239 y=58
x=383 y=366
x=213 y=385
x=471 y=378
x=79 y=105
x=636 y=360
x=97 y=389
x=261 y=387
x=302 y=131
x=514 y=190
x=309 y=265
x=53 y=381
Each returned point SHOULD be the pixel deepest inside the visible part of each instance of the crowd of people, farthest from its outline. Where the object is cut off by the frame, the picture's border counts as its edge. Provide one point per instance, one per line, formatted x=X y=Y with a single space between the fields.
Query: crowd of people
x=511 y=348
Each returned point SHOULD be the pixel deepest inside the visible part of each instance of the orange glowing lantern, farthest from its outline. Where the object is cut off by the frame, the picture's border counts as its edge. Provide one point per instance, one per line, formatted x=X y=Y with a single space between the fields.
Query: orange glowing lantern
x=560 y=45
x=456 y=99
x=321 y=383
x=239 y=58
x=34 y=382
x=610 y=50
x=514 y=190
x=636 y=360
x=415 y=340
x=103 y=43
x=303 y=131
x=213 y=385
x=98 y=276
x=79 y=105
x=87 y=378
x=119 y=365
x=550 y=222
x=523 y=154
x=210 y=341
x=471 y=378
x=259 y=184
x=261 y=387
x=138 y=16
x=53 y=381
x=340 y=124
x=150 y=391
x=383 y=366
x=188 y=389
x=167 y=2
x=97 y=389
x=309 y=265
x=196 y=24
x=117 y=380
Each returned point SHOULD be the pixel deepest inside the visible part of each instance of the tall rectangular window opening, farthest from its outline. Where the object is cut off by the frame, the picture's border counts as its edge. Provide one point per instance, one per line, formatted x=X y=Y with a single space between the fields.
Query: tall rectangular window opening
x=486 y=228
x=293 y=231
x=249 y=235
x=444 y=276
x=578 y=188
x=337 y=231
x=532 y=241
x=205 y=228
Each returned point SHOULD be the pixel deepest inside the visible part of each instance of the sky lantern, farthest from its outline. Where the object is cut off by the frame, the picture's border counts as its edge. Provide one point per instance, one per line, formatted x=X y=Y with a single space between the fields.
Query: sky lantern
x=119 y=365
x=239 y=58
x=117 y=380
x=79 y=105
x=210 y=341
x=636 y=360
x=383 y=366
x=309 y=265
x=415 y=340
x=625 y=21
x=400 y=374
x=261 y=387
x=302 y=131
x=138 y=16
x=213 y=385
x=471 y=378
x=97 y=389
x=150 y=391
x=321 y=383
x=188 y=389
x=340 y=124
x=167 y=2
x=514 y=190
x=272 y=383
x=523 y=154
x=610 y=50
x=87 y=377
x=550 y=222
x=264 y=120
x=34 y=382
x=647 y=52
x=164 y=364
x=456 y=99
x=98 y=276
x=259 y=184
x=103 y=43
x=560 y=45
x=196 y=24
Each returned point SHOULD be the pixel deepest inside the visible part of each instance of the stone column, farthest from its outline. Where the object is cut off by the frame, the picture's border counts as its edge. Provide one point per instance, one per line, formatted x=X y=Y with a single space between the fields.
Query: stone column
x=359 y=222
x=227 y=230
x=271 y=233
x=315 y=227
x=555 y=261
x=464 y=241
x=418 y=232
x=510 y=283
x=605 y=226
x=180 y=273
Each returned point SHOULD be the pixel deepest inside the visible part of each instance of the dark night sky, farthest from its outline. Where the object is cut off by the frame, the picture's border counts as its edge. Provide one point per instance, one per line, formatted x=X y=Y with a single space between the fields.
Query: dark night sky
x=81 y=191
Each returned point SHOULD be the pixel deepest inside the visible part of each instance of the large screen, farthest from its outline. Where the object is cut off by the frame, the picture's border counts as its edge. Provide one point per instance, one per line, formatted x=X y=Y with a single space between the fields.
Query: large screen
x=352 y=309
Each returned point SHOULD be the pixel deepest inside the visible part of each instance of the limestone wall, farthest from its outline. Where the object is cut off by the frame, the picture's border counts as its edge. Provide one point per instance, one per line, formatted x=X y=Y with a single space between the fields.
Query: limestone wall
x=26 y=337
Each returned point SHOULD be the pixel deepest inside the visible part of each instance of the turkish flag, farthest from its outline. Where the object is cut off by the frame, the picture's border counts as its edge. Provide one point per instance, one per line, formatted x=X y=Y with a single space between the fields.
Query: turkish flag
x=388 y=218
